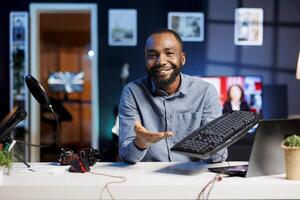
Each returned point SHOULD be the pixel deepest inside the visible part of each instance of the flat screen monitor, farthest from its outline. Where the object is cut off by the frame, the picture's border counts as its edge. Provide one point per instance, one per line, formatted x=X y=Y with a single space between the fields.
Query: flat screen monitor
x=251 y=85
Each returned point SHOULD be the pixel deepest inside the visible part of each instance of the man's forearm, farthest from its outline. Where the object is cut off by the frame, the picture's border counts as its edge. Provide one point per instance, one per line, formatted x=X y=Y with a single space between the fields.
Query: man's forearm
x=131 y=154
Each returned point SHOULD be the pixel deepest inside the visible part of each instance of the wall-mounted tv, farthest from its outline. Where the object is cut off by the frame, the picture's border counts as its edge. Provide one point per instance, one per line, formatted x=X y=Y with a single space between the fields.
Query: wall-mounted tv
x=251 y=85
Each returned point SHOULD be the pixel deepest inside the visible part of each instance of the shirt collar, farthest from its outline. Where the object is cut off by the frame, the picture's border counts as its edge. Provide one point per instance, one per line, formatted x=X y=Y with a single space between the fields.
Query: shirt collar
x=183 y=88
x=184 y=84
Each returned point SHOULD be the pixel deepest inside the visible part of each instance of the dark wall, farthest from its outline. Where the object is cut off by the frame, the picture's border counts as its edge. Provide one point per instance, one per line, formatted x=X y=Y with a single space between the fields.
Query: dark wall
x=151 y=15
x=275 y=60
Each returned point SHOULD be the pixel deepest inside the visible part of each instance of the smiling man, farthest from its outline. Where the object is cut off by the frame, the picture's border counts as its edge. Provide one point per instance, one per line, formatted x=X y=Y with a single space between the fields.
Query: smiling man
x=159 y=110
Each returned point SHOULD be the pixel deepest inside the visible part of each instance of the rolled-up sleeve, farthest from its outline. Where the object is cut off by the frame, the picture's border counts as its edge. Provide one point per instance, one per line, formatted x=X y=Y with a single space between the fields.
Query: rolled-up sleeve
x=128 y=114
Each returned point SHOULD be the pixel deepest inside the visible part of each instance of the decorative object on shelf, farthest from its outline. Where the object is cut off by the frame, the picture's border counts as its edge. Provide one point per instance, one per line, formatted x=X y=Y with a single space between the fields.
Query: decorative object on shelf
x=19 y=66
x=248 y=27
x=122 y=27
x=189 y=25
x=291 y=148
x=125 y=72
x=66 y=82
x=18 y=46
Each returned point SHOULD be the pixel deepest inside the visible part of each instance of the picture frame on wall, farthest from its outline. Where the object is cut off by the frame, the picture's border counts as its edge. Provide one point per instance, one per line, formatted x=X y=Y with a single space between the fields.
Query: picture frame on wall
x=248 y=28
x=189 y=25
x=122 y=27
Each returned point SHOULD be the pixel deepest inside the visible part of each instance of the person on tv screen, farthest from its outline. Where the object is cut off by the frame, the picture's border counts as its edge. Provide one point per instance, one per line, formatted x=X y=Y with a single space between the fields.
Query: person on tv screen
x=160 y=109
x=235 y=99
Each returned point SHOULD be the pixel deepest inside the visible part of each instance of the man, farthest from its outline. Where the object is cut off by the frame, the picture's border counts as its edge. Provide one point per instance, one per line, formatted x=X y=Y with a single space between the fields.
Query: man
x=159 y=110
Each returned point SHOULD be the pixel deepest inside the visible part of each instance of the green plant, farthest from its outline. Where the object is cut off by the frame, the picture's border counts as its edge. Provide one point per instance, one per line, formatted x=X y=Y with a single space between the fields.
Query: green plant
x=292 y=141
x=5 y=159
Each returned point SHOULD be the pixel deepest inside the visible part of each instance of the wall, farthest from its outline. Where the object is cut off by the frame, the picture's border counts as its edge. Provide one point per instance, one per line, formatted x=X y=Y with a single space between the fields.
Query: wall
x=275 y=60
x=217 y=55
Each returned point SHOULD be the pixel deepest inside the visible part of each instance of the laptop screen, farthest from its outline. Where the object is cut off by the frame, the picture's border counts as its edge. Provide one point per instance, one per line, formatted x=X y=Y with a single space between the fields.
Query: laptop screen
x=267 y=156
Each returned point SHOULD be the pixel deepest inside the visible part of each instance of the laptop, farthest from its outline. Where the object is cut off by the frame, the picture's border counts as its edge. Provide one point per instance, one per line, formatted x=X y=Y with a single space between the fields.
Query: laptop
x=266 y=156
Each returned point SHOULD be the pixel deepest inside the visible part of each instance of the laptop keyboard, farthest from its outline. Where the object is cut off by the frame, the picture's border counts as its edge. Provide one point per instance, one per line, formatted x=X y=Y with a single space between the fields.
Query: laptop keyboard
x=217 y=134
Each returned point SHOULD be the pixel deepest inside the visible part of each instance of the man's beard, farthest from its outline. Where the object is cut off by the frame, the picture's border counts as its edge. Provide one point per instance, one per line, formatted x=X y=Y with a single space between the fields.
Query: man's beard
x=162 y=83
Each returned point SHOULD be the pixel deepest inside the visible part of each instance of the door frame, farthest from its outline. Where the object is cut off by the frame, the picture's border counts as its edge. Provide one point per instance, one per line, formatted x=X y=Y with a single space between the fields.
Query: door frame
x=35 y=10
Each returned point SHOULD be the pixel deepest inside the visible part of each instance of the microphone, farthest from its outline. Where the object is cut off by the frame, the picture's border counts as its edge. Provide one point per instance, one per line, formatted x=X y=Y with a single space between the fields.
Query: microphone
x=10 y=121
x=39 y=93
x=7 y=125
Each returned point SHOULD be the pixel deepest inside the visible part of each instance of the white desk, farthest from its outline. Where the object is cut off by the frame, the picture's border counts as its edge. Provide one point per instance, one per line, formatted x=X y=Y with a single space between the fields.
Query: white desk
x=144 y=181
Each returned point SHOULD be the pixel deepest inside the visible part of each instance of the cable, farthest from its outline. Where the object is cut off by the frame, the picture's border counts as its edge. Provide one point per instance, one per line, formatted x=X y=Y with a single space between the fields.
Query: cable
x=21 y=159
x=57 y=140
x=33 y=145
x=211 y=183
x=169 y=154
x=123 y=180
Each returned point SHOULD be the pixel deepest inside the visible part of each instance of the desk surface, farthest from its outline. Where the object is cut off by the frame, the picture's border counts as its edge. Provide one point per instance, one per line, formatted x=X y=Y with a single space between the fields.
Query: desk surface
x=146 y=180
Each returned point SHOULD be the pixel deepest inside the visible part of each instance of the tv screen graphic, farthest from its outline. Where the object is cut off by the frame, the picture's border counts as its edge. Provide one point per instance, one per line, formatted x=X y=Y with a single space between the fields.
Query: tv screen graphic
x=251 y=86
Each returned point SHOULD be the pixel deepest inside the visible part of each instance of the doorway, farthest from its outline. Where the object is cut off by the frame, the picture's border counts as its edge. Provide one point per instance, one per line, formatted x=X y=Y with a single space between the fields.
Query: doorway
x=64 y=59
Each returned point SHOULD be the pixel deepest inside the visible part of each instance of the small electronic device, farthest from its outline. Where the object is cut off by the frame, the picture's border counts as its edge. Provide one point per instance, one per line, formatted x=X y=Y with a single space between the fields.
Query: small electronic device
x=80 y=165
x=89 y=155
x=237 y=170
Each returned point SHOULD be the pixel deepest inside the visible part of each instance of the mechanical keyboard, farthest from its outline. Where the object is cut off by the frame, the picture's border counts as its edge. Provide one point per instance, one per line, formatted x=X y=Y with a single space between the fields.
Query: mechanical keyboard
x=217 y=134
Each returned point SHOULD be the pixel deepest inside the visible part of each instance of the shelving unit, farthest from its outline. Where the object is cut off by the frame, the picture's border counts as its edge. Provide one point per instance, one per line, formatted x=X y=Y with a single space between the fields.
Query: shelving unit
x=18 y=68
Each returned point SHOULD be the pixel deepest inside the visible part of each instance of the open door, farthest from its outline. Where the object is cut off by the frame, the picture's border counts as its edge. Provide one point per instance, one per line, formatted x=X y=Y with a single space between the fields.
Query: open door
x=64 y=58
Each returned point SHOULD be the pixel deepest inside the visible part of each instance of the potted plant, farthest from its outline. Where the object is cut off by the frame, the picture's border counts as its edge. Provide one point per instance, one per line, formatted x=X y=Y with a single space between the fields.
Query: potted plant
x=5 y=161
x=291 y=148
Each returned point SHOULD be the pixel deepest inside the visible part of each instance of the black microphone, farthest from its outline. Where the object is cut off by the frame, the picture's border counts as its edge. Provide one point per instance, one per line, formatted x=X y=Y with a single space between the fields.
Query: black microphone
x=10 y=121
x=37 y=91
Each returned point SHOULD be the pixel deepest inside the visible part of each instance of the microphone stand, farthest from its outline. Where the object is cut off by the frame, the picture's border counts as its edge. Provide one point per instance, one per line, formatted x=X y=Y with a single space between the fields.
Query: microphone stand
x=21 y=159
x=9 y=141
x=57 y=138
x=12 y=142
x=38 y=92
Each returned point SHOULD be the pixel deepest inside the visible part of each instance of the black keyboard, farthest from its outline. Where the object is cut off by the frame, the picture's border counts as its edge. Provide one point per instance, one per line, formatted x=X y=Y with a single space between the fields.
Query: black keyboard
x=217 y=134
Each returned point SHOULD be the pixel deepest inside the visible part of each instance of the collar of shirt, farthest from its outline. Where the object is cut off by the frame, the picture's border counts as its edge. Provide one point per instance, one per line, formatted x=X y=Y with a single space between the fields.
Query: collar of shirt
x=183 y=88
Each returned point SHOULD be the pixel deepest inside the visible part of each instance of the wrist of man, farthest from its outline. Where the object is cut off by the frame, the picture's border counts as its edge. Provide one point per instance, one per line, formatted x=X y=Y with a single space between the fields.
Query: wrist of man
x=140 y=144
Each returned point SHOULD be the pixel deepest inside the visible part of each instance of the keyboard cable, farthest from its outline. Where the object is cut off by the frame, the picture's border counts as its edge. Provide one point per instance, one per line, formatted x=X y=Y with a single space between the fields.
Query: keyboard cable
x=123 y=179
x=169 y=156
x=206 y=190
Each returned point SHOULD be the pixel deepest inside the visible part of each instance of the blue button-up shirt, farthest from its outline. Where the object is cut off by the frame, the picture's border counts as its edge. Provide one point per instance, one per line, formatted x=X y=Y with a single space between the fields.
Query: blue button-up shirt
x=195 y=103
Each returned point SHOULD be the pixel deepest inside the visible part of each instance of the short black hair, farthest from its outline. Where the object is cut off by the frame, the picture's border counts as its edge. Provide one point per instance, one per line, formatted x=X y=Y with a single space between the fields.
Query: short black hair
x=166 y=30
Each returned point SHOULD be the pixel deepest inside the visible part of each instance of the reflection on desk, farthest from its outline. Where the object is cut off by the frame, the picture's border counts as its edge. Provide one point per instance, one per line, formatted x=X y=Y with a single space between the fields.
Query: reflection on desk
x=146 y=180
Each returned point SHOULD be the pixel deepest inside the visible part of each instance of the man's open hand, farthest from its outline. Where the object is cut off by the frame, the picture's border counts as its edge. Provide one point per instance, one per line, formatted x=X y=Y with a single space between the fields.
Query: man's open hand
x=145 y=137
